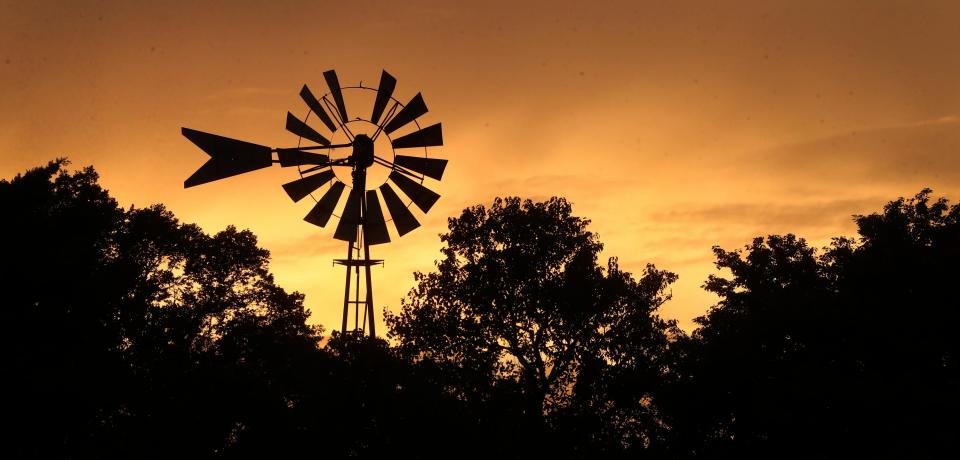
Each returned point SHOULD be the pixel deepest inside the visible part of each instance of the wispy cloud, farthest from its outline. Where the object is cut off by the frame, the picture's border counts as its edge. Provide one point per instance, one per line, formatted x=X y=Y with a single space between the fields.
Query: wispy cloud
x=247 y=92
x=316 y=245
x=926 y=149
x=800 y=216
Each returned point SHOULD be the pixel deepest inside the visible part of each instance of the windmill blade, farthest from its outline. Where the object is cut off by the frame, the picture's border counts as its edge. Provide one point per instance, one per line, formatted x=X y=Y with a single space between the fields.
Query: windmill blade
x=387 y=85
x=402 y=216
x=423 y=197
x=410 y=112
x=306 y=185
x=321 y=212
x=228 y=157
x=295 y=126
x=334 y=84
x=374 y=225
x=294 y=157
x=426 y=137
x=430 y=167
x=316 y=107
x=347 y=227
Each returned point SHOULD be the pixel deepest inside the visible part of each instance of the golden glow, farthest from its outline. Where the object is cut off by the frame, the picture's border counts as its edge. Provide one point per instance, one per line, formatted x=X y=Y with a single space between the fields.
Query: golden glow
x=671 y=128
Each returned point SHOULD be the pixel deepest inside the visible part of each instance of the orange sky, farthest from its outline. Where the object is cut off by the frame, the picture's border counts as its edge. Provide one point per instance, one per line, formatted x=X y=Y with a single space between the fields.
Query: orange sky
x=673 y=128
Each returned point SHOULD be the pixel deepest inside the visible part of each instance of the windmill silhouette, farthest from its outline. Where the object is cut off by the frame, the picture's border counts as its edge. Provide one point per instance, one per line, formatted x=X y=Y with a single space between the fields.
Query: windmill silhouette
x=323 y=164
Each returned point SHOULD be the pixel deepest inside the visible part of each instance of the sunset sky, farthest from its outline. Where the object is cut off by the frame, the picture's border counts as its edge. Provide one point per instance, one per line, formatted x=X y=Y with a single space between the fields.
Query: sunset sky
x=672 y=126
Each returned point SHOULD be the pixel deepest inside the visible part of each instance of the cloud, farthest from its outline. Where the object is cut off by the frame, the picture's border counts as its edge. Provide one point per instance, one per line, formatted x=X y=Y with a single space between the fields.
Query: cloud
x=559 y=181
x=926 y=150
x=802 y=216
x=308 y=247
x=247 y=92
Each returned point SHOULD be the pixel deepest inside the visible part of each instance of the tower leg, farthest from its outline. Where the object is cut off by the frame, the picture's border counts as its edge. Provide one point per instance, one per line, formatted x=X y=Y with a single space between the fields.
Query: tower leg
x=346 y=289
x=366 y=256
x=356 y=298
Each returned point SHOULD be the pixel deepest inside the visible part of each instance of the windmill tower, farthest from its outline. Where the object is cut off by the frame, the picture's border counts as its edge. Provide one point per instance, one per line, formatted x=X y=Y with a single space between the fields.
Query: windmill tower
x=362 y=160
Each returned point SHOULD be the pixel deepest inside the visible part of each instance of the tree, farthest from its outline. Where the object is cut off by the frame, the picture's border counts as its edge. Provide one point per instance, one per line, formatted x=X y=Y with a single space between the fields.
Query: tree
x=754 y=376
x=128 y=334
x=899 y=309
x=521 y=317
x=851 y=351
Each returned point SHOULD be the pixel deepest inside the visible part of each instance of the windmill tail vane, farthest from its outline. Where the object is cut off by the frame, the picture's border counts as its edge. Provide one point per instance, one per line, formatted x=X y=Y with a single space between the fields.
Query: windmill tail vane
x=363 y=145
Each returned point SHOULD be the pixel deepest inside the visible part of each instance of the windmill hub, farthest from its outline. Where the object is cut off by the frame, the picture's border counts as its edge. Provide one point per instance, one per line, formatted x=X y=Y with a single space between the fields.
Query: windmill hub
x=363 y=151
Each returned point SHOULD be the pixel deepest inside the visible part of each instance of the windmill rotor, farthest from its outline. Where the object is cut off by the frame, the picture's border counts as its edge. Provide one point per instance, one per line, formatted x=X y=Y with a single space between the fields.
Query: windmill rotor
x=329 y=145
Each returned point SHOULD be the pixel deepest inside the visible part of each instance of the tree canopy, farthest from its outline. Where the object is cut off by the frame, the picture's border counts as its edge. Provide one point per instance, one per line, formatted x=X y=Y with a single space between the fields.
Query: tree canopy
x=128 y=334
x=520 y=301
x=848 y=351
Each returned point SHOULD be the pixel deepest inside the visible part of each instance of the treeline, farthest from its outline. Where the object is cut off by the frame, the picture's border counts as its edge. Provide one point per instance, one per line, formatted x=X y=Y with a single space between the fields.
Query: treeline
x=128 y=334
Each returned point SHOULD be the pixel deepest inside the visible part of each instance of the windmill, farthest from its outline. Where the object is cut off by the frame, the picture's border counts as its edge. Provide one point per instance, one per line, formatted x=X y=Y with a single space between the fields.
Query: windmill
x=343 y=162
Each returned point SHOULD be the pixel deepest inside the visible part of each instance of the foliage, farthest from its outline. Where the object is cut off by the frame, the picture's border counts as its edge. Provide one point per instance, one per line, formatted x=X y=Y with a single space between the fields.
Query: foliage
x=128 y=334
x=848 y=352
x=522 y=318
x=131 y=335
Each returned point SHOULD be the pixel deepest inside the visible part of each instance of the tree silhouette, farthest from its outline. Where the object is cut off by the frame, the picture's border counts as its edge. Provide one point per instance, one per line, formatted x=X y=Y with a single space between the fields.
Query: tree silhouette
x=60 y=372
x=131 y=335
x=851 y=352
x=127 y=329
x=128 y=334
x=897 y=297
x=522 y=319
